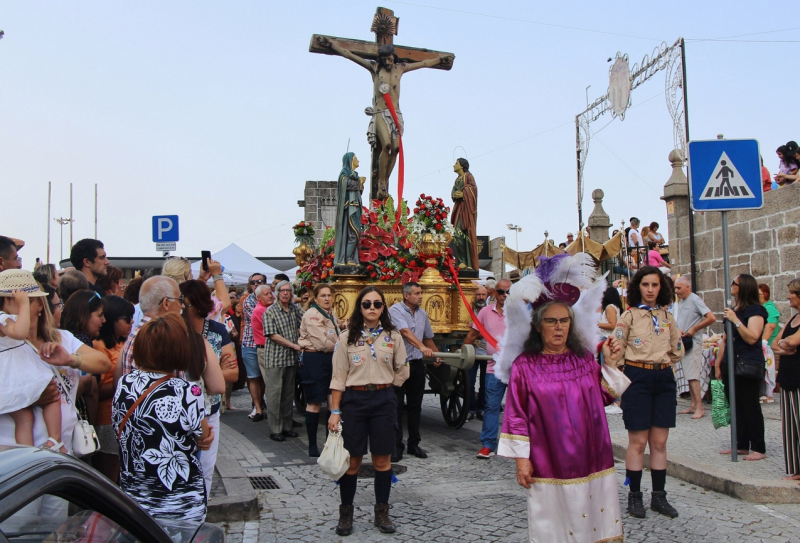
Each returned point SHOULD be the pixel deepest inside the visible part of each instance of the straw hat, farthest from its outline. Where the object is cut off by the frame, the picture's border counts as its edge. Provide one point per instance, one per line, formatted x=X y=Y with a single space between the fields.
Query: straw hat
x=23 y=280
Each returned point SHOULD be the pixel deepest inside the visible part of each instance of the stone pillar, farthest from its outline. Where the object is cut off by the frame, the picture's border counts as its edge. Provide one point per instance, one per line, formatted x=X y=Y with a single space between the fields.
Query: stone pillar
x=320 y=206
x=598 y=221
x=676 y=195
x=496 y=247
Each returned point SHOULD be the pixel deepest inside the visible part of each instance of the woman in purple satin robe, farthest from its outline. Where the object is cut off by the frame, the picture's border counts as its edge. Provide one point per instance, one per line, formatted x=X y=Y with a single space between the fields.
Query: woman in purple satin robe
x=555 y=427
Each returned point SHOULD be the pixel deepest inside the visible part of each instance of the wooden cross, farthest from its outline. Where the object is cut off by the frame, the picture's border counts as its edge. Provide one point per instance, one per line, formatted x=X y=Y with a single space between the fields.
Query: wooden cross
x=384 y=26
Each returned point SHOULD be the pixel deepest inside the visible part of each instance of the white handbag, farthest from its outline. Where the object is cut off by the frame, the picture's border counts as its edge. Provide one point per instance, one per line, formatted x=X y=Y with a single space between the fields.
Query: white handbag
x=84 y=438
x=335 y=459
x=614 y=381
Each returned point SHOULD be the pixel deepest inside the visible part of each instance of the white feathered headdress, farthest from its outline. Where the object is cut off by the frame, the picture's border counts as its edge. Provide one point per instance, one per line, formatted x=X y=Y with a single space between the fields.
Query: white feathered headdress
x=569 y=279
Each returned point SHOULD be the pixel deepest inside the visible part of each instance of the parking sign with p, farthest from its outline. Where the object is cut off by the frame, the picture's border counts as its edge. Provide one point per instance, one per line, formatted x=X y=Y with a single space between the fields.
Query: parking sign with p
x=165 y=228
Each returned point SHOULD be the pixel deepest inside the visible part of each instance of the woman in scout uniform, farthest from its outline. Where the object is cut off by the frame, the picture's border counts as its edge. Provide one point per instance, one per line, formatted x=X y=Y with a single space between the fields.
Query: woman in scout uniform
x=651 y=342
x=319 y=331
x=368 y=359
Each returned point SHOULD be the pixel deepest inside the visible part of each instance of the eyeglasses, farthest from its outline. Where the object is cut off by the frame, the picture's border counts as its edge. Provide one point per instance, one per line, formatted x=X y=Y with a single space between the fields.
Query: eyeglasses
x=550 y=321
x=59 y=305
x=179 y=299
x=285 y=290
x=257 y=282
x=734 y=284
x=128 y=320
x=502 y=292
x=367 y=304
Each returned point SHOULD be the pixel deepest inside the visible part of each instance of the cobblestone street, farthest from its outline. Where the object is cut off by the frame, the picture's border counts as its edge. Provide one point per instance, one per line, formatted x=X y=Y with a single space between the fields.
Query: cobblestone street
x=453 y=496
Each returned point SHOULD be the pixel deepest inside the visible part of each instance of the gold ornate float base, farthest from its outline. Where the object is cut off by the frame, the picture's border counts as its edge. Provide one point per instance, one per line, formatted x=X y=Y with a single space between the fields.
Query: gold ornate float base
x=440 y=300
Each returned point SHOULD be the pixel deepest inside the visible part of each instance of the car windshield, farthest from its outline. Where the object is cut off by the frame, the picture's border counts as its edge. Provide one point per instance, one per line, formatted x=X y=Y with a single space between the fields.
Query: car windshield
x=83 y=526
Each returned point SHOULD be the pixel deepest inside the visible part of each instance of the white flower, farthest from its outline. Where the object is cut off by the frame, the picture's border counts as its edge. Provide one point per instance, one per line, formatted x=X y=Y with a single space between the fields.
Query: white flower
x=170 y=462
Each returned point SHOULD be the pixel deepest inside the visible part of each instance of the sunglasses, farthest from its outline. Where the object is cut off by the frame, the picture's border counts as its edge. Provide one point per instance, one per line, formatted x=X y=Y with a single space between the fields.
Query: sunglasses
x=128 y=320
x=369 y=303
x=734 y=284
x=502 y=292
x=96 y=295
x=551 y=321
x=257 y=282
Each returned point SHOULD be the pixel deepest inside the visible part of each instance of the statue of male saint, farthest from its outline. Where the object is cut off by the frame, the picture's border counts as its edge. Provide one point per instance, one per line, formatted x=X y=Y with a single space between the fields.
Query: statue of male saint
x=465 y=216
x=348 y=213
x=386 y=74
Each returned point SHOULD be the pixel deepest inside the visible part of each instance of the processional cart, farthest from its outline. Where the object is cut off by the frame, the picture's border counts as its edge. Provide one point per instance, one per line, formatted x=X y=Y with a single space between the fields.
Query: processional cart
x=396 y=249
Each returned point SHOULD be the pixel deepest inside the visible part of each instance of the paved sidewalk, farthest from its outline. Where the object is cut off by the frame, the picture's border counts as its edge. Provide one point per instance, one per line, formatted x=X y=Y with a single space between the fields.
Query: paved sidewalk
x=454 y=496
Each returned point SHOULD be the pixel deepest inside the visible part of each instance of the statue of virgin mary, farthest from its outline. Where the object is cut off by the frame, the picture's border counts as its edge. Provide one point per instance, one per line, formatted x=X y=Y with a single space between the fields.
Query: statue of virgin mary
x=348 y=213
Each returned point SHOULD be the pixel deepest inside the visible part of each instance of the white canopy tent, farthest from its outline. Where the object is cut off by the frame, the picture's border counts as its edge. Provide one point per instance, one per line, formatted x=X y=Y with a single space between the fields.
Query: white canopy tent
x=239 y=265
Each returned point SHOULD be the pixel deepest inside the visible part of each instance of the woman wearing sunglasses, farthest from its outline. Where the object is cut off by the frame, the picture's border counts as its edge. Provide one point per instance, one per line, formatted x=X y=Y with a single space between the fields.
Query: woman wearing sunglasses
x=113 y=333
x=368 y=359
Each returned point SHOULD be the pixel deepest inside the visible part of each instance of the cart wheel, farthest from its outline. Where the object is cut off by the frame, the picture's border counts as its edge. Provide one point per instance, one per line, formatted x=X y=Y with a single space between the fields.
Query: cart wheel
x=456 y=406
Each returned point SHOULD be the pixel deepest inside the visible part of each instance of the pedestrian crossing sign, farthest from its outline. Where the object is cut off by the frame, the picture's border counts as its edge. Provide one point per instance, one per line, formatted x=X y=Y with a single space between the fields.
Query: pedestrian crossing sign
x=725 y=175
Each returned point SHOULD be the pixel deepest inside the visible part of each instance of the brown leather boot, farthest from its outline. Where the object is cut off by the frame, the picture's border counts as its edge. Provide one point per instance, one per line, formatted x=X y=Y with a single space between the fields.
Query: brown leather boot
x=345 y=526
x=382 y=520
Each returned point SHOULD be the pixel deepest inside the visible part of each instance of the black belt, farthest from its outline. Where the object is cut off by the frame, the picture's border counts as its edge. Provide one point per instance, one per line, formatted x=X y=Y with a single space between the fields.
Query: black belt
x=260 y=346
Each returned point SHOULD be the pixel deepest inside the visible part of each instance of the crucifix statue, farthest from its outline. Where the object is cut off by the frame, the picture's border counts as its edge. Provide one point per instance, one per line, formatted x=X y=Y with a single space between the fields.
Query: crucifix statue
x=386 y=63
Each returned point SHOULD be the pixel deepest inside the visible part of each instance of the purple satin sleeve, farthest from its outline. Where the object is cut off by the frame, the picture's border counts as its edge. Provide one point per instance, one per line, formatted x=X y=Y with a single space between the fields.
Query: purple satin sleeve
x=515 y=418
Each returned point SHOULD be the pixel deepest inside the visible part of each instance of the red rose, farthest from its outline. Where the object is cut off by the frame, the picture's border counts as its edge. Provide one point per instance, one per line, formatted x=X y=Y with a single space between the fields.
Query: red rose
x=373 y=275
x=370 y=267
x=438 y=227
x=416 y=210
x=427 y=213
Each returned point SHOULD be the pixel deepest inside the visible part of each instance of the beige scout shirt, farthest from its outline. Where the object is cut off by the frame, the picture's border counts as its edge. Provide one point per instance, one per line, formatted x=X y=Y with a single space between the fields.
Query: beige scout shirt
x=353 y=365
x=317 y=333
x=637 y=338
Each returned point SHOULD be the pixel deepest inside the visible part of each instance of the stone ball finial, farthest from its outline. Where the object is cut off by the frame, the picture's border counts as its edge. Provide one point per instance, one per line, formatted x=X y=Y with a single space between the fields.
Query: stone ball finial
x=676 y=156
x=597 y=194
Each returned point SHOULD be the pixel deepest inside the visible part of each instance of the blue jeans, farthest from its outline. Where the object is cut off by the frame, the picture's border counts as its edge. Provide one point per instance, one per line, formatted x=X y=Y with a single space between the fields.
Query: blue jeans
x=250 y=356
x=477 y=402
x=495 y=390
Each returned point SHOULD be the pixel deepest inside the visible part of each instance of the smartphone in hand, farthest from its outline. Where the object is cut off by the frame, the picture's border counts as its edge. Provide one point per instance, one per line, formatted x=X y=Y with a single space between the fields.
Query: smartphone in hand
x=206 y=255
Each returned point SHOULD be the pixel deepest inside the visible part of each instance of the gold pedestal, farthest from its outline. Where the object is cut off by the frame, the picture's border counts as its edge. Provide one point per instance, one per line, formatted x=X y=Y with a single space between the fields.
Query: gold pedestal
x=440 y=300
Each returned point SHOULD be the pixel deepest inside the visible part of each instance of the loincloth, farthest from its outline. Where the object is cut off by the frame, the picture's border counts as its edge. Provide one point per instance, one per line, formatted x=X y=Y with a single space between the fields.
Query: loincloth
x=372 y=134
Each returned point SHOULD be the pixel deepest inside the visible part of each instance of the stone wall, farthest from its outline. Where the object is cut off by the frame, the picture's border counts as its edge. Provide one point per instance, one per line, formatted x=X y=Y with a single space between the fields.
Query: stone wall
x=319 y=201
x=762 y=242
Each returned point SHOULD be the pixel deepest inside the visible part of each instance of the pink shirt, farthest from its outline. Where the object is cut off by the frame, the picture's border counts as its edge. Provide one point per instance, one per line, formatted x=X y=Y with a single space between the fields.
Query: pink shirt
x=257 y=324
x=654 y=258
x=495 y=324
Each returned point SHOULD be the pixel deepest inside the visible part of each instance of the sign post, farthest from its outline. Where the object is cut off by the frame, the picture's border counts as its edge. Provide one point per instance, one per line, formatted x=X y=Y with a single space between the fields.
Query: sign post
x=725 y=175
x=165 y=233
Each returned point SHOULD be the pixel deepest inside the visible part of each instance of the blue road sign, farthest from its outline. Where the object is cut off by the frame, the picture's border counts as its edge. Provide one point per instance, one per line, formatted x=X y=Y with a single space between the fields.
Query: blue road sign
x=725 y=175
x=165 y=228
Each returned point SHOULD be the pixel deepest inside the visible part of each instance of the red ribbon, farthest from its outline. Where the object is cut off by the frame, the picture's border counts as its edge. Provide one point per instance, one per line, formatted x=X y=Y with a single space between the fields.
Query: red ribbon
x=401 y=167
x=482 y=329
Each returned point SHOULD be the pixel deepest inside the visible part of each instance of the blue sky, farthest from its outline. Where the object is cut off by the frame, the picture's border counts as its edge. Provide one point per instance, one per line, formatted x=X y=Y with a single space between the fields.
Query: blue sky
x=217 y=112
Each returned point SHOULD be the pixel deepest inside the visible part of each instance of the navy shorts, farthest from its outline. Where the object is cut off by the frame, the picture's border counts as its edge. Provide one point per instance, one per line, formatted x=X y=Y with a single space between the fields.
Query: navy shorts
x=315 y=374
x=369 y=416
x=651 y=399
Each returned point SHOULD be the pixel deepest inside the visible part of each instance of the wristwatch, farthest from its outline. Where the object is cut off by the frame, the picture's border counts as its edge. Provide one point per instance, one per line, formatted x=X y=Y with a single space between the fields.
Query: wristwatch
x=738 y=324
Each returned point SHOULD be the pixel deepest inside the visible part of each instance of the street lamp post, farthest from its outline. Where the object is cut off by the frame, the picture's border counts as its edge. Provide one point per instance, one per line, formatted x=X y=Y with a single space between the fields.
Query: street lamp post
x=62 y=221
x=517 y=230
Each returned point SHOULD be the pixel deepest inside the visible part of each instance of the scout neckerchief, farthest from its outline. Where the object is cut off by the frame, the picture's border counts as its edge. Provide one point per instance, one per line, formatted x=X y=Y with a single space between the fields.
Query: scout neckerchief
x=652 y=315
x=369 y=336
x=329 y=317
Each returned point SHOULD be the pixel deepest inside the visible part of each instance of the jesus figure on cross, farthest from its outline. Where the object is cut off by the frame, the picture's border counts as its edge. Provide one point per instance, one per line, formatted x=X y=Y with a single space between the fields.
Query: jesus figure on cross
x=386 y=73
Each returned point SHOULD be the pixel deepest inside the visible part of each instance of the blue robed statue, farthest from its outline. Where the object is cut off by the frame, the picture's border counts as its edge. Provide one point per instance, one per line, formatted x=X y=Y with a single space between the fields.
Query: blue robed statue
x=348 y=213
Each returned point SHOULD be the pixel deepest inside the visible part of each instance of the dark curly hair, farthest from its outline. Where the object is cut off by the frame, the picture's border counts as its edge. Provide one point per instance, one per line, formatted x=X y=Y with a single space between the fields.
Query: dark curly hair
x=357 y=317
x=665 y=295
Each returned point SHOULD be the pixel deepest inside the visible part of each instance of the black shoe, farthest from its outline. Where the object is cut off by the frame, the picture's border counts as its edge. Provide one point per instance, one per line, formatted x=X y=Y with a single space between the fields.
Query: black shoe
x=258 y=417
x=382 y=520
x=470 y=416
x=417 y=451
x=296 y=424
x=659 y=504
x=397 y=456
x=277 y=437
x=313 y=451
x=289 y=433
x=636 y=505
x=479 y=415
x=345 y=526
